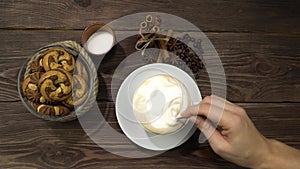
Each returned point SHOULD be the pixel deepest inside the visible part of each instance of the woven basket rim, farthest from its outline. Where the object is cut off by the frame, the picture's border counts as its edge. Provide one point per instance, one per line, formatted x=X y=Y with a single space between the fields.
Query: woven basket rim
x=75 y=49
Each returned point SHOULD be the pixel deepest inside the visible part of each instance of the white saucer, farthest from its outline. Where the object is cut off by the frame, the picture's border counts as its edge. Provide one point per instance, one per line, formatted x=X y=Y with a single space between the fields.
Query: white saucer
x=125 y=116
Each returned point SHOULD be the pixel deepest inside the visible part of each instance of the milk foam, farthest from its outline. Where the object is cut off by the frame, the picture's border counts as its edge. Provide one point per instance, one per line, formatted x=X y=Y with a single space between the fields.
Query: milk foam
x=157 y=102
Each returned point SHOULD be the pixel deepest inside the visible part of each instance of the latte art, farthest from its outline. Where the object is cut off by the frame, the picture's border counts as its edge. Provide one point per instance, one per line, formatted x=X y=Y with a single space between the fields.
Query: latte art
x=158 y=101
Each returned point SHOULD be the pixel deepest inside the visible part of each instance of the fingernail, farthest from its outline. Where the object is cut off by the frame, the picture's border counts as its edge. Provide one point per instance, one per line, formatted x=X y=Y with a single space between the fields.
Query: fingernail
x=193 y=119
x=183 y=114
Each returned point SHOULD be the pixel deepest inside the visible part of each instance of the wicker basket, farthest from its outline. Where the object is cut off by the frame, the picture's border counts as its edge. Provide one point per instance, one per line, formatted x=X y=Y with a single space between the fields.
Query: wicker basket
x=75 y=49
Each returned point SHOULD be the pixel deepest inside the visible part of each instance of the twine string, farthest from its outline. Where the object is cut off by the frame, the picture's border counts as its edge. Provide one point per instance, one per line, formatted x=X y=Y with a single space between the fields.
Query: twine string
x=152 y=27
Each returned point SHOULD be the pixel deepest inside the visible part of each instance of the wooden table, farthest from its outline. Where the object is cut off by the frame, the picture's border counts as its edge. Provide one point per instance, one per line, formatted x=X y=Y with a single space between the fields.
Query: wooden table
x=258 y=43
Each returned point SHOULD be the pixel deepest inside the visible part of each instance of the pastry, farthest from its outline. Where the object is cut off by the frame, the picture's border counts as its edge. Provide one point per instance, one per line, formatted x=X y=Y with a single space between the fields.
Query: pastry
x=35 y=66
x=81 y=71
x=80 y=92
x=58 y=58
x=56 y=85
x=52 y=110
x=30 y=87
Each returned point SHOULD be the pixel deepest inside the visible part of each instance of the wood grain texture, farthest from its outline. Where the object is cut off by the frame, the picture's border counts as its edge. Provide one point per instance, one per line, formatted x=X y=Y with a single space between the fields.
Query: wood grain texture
x=257 y=41
x=258 y=67
x=27 y=141
x=209 y=15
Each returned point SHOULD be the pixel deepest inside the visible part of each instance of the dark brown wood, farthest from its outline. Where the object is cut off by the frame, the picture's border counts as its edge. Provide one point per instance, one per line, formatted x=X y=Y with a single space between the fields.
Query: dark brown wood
x=257 y=41
x=209 y=15
x=28 y=141
x=258 y=67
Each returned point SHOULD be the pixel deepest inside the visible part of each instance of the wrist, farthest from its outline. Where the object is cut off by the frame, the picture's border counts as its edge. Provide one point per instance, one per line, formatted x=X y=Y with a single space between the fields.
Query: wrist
x=274 y=155
x=280 y=155
x=266 y=154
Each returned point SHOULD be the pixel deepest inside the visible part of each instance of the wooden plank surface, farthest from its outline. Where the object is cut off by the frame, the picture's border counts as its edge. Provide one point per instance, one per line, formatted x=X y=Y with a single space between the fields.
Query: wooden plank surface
x=31 y=142
x=269 y=61
x=258 y=44
x=212 y=15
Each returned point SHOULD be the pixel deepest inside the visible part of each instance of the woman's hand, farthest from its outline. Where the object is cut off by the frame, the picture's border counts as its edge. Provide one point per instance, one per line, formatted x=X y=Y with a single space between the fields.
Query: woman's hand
x=236 y=139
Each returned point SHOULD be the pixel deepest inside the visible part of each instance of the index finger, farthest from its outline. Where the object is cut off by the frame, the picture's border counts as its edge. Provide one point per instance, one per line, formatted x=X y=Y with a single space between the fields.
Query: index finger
x=222 y=103
x=214 y=113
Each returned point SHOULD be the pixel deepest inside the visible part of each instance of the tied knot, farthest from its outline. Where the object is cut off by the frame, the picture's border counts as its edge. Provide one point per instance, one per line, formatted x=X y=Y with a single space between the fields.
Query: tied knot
x=149 y=33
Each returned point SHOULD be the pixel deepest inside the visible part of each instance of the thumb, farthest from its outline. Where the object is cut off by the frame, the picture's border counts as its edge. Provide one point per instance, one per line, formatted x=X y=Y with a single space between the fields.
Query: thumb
x=214 y=137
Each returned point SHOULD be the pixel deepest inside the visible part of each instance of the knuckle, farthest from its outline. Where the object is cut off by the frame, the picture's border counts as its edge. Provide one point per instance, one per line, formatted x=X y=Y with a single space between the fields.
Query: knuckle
x=192 y=110
x=236 y=120
x=220 y=149
x=241 y=110
x=206 y=127
x=204 y=105
x=244 y=112
x=207 y=99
